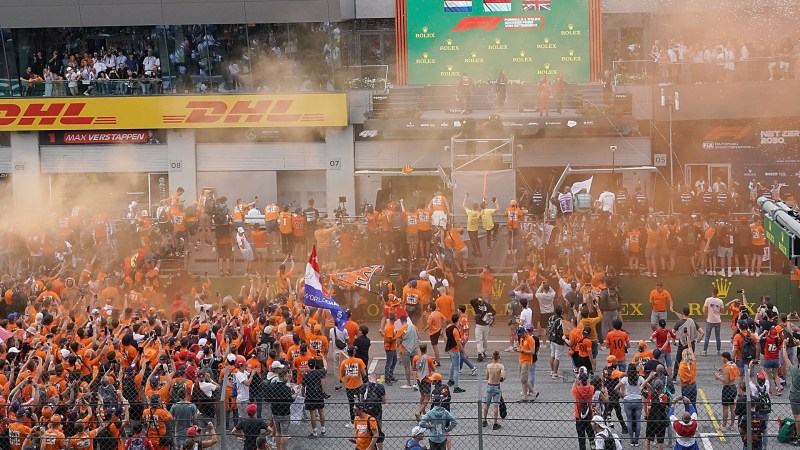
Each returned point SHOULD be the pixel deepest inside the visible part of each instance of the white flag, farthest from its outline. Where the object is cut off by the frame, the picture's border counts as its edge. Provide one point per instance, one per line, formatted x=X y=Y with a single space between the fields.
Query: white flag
x=587 y=184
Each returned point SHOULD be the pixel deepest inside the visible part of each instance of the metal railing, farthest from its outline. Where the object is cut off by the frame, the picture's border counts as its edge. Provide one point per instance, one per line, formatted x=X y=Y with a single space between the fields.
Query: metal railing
x=644 y=72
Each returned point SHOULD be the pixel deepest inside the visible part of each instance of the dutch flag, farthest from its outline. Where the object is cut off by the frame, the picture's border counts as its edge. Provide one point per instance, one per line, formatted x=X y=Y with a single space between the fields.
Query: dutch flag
x=316 y=297
x=457 y=5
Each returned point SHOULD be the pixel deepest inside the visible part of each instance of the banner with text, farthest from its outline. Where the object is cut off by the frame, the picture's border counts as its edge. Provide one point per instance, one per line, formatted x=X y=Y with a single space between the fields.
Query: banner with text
x=526 y=38
x=160 y=112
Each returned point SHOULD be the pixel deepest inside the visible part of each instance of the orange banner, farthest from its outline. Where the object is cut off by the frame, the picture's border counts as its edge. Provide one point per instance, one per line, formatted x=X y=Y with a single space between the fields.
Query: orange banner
x=155 y=112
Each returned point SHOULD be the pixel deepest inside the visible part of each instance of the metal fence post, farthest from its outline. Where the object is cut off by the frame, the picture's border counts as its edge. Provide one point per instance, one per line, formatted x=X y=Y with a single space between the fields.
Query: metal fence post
x=749 y=417
x=224 y=422
x=480 y=424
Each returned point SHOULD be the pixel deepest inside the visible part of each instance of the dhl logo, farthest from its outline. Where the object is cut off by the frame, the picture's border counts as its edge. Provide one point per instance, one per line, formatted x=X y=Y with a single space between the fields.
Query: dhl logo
x=242 y=111
x=37 y=114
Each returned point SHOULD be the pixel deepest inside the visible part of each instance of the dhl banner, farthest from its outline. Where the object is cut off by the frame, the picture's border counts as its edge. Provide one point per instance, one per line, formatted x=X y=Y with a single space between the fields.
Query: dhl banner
x=157 y=112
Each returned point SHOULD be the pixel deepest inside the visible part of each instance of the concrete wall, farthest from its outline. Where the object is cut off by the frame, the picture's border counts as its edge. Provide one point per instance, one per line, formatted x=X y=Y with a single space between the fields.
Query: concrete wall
x=85 y=13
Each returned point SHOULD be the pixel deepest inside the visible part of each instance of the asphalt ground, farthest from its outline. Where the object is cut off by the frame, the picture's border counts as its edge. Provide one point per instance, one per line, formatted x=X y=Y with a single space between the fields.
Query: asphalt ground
x=549 y=421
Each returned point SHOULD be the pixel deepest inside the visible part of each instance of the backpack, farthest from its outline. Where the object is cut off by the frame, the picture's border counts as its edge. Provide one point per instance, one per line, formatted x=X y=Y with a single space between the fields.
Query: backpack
x=553 y=325
x=339 y=343
x=178 y=393
x=762 y=401
x=136 y=443
x=787 y=431
x=749 y=349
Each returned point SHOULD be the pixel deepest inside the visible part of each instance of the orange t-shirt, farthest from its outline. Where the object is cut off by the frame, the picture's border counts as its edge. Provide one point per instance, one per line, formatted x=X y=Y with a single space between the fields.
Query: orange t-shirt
x=453 y=239
x=350 y=372
x=660 y=299
x=438 y=203
x=179 y=221
x=514 y=216
x=285 y=222
x=424 y=219
x=365 y=430
x=259 y=239
x=435 y=319
x=299 y=226
x=633 y=241
x=652 y=238
x=487 y=283
x=526 y=343
x=389 y=339
x=271 y=212
x=352 y=331
x=617 y=341
x=446 y=306
x=411 y=222
x=17 y=432
x=54 y=440
x=757 y=233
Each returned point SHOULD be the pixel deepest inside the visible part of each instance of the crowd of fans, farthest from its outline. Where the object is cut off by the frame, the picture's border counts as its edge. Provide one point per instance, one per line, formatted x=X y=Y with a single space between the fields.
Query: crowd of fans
x=198 y=59
x=103 y=350
x=674 y=61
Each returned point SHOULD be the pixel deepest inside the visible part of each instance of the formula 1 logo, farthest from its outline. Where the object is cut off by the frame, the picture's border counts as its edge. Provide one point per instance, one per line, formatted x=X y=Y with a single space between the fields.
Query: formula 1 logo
x=481 y=23
x=208 y=112
x=37 y=114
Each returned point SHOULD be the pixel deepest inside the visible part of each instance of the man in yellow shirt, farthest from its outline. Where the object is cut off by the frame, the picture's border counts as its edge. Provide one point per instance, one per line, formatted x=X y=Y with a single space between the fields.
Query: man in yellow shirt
x=473 y=222
x=487 y=219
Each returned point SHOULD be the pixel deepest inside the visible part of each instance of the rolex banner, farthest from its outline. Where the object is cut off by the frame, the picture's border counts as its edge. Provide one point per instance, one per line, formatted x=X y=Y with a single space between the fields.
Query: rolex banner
x=526 y=38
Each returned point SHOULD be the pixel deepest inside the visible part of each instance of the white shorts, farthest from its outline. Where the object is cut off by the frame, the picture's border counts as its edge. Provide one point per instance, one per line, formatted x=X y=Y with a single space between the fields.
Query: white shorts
x=439 y=219
x=556 y=351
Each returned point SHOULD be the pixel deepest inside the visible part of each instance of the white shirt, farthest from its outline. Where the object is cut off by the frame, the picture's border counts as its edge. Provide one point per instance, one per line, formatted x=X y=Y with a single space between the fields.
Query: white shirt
x=241 y=241
x=754 y=388
x=546 y=300
x=526 y=316
x=606 y=201
x=600 y=440
x=343 y=335
x=149 y=63
x=714 y=306
x=242 y=390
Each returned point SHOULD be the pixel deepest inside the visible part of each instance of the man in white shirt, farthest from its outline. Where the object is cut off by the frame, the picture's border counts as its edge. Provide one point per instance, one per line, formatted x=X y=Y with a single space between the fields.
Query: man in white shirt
x=246 y=249
x=712 y=308
x=150 y=63
x=339 y=350
x=526 y=315
x=606 y=201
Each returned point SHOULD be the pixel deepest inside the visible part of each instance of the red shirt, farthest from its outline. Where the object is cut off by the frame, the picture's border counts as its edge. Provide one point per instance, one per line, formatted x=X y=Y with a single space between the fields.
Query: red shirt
x=583 y=394
x=662 y=335
x=772 y=345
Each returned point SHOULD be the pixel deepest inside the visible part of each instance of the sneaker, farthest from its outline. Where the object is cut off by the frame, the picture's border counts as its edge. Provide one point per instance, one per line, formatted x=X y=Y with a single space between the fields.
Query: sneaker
x=322 y=431
x=509 y=349
x=338 y=388
x=458 y=390
x=414 y=387
x=406 y=386
x=758 y=274
x=730 y=273
x=721 y=273
x=736 y=272
x=705 y=353
x=745 y=272
x=313 y=435
x=647 y=274
x=451 y=382
x=496 y=426
x=473 y=371
x=485 y=424
x=437 y=364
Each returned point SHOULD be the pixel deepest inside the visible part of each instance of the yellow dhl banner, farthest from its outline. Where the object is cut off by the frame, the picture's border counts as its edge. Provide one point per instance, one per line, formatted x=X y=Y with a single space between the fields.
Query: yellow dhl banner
x=155 y=112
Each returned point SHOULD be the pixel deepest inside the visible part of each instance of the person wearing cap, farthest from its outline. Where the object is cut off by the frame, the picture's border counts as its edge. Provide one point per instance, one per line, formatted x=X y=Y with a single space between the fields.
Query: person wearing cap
x=195 y=442
x=728 y=375
x=439 y=420
x=156 y=419
x=514 y=216
x=604 y=439
x=528 y=354
x=581 y=347
x=411 y=300
x=611 y=375
x=772 y=339
x=247 y=252
x=660 y=300
x=689 y=334
x=250 y=427
x=415 y=441
x=350 y=373
x=487 y=221
x=484 y=318
x=583 y=393
x=473 y=219
x=408 y=348
x=315 y=396
x=513 y=309
x=390 y=347
x=365 y=428
x=337 y=344
x=281 y=396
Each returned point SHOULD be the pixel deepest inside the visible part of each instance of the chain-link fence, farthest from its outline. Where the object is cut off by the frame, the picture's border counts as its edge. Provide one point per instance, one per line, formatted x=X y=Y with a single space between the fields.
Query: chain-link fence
x=221 y=422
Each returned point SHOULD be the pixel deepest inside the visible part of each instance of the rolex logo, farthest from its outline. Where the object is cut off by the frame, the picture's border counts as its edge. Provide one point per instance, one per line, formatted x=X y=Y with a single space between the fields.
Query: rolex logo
x=498 y=289
x=570 y=26
x=496 y=40
x=546 y=40
x=547 y=66
x=425 y=28
x=522 y=53
x=474 y=54
x=449 y=67
x=425 y=34
x=723 y=285
x=449 y=42
x=571 y=52
x=425 y=55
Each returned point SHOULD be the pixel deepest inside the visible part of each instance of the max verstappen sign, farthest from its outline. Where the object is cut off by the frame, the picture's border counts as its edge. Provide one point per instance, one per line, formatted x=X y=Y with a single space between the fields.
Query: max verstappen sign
x=159 y=112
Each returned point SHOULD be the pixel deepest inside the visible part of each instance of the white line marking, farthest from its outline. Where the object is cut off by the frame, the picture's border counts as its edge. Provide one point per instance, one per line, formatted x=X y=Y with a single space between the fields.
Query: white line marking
x=704 y=438
x=374 y=363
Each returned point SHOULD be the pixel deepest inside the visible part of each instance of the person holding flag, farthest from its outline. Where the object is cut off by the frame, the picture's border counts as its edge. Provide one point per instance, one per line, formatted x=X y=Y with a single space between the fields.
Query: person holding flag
x=315 y=296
